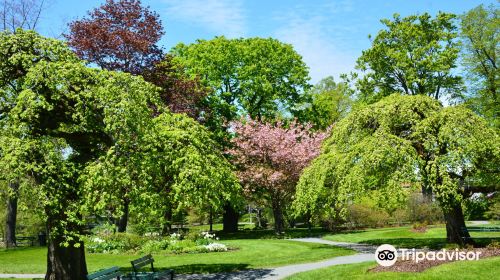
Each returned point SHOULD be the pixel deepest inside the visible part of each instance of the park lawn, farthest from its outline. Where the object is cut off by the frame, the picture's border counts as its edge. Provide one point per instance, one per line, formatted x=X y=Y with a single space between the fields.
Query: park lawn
x=483 y=269
x=250 y=254
x=434 y=238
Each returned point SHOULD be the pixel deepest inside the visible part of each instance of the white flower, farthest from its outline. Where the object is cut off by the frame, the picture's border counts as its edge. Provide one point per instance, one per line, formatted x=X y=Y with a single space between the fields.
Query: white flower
x=98 y=240
x=216 y=247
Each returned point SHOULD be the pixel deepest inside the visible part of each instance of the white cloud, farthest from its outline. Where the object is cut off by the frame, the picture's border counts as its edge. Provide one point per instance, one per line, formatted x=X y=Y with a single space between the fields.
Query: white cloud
x=225 y=17
x=320 y=48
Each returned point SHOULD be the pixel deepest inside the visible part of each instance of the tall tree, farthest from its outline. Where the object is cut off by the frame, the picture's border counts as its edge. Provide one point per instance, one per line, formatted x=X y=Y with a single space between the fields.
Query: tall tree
x=261 y=78
x=413 y=55
x=24 y=14
x=330 y=101
x=271 y=158
x=64 y=116
x=119 y=35
x=401 y=141
x=481 y=36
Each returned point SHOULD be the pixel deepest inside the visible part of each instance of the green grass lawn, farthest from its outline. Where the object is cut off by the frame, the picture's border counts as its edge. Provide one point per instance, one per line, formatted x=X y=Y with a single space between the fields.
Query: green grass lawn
x=434 y=238
x=251 y=254
x=463 y=270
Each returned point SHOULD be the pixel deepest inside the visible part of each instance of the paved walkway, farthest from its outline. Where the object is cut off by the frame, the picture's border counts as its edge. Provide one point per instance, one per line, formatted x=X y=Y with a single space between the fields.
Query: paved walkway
x=365 y=253
x=29 y=276
x=474 y=223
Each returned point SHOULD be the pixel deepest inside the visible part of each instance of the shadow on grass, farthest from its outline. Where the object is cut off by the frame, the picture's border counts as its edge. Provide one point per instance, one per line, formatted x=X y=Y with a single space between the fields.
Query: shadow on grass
x=251 y=274
x=431 y=243
x=270 y=234
x=206 y=268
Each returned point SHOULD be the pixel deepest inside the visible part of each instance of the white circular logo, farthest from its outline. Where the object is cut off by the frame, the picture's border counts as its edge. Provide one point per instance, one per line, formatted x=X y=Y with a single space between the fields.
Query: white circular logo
x=386 y=255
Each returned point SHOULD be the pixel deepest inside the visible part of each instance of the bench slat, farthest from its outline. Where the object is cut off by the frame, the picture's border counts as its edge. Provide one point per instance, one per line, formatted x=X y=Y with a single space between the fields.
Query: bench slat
x=104 y=274
x=141 y=262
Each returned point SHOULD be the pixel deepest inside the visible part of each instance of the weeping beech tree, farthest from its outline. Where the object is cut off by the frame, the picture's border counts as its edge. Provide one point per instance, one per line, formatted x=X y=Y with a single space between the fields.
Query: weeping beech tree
x=401 y=141
x=64 y=119
x=65 y=115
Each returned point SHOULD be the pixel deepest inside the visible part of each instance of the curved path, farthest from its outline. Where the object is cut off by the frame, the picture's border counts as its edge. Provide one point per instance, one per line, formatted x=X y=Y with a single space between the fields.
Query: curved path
x=365 y=253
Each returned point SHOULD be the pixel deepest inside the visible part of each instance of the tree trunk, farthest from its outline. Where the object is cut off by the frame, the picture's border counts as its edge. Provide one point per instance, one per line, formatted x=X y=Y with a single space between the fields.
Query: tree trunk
x=279 y=224
x=65 y=263
x=258 y=217
x=455 y=224
x=211 y=219
x=167 y=223
x=229 y=219
x=426 y=193
x=10 y=225
x=123 y=221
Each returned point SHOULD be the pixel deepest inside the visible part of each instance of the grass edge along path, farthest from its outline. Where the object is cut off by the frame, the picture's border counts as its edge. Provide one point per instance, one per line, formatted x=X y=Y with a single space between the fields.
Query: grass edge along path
x=488 y=268
x=404 y=237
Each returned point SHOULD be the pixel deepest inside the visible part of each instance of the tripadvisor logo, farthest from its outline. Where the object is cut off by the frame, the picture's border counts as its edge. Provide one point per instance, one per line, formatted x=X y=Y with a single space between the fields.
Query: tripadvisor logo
x=386 y=255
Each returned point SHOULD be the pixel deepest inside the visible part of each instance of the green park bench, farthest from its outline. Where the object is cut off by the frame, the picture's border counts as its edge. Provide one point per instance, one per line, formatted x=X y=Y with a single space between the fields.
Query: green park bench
x=106 y=274
x=139 y=273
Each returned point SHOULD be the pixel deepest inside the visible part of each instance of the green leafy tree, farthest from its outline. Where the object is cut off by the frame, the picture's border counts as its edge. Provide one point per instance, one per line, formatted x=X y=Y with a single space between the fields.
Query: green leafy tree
x=61 y=119
x=413 y=55
x=174 y=165
x=480 y=36
x=404 y=141
x=63 y=115
x=330 y=102
x=256 y=77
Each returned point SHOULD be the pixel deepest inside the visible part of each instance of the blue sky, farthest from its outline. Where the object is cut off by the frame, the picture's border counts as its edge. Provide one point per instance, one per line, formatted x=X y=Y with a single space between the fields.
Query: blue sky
x=330 y=35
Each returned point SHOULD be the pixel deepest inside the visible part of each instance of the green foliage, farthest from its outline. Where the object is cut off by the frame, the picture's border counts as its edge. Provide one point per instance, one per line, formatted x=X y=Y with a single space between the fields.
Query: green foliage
x=119 y=243
x=177 y=164
x=361 y=215
x=257 y=77
x=330 y=102
x=418 y=210
x=392 y=145
x=475 y=207
x=83 y=135
x=494 y=209
x=480 y=36
x=114 y=243
x=413 y=55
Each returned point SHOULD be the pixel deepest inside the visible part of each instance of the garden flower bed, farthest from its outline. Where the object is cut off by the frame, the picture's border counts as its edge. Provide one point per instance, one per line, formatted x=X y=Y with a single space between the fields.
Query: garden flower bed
x=117 y=243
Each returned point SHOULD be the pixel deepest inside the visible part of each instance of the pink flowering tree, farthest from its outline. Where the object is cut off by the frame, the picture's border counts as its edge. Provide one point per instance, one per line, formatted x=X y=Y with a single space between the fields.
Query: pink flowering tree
x=270 y=160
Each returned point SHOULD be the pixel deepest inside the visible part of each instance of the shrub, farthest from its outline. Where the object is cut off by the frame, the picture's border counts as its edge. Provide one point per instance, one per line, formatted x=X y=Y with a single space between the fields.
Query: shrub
x=360 y=215
x=152 y=246
x=493 y=212
x=114 y=243
x=400 y=216
x=420 y=227
x=420 y=210
x=475 y=207
x=181 y=245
